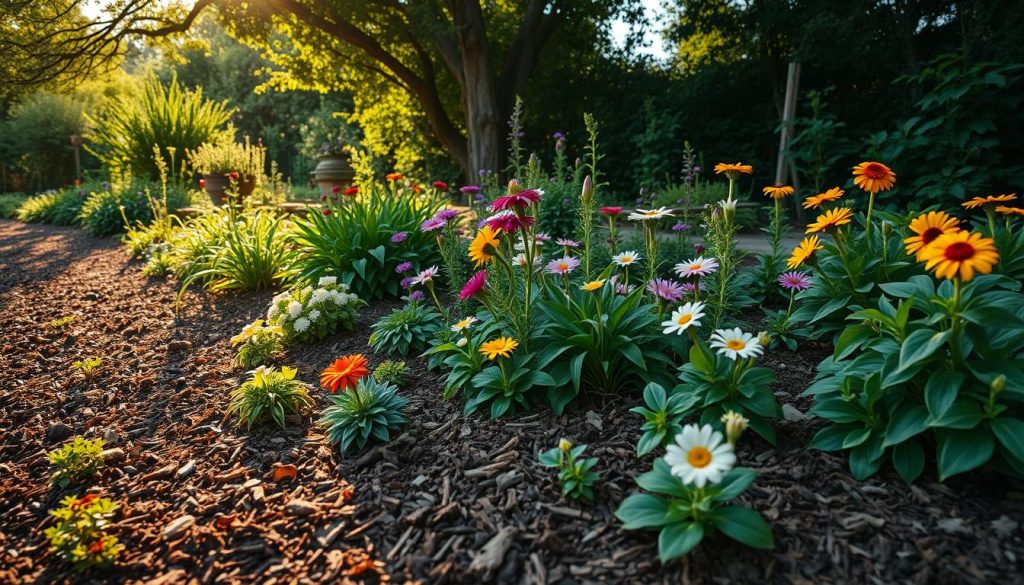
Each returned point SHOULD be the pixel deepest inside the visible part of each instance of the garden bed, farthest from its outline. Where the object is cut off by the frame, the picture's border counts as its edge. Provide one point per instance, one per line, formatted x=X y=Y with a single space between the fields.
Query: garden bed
x=452 y=499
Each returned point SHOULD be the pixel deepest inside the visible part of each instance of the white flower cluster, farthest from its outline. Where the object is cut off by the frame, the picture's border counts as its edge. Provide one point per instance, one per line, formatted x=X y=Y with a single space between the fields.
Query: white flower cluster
x=307 y=311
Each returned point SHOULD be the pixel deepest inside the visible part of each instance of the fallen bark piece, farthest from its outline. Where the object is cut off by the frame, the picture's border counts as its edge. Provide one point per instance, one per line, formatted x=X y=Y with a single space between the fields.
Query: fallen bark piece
x=302 y=508
x=490 y=557
x=114 y=455
x=178 y=527
x=186 y=470
x=162 y=473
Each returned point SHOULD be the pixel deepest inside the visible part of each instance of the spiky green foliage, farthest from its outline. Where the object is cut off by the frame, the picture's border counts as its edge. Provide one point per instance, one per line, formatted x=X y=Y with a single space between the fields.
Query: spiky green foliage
x=391 y=372
x=105 y=212
x=405 y=330
x=371 y=410
x=271 y=393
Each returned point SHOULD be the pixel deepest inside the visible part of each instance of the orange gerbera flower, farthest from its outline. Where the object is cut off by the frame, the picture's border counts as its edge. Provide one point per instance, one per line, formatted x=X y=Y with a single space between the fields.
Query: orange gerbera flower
x=927 y=227
x=960 y=255
x=805 y=251
x=733 y=169
x=1010 y=210
x=778 y=191
x=831 y=219
x=873 y=177
x=344 y=373
x=988 y=200
x=393 y=176
x=815 y=201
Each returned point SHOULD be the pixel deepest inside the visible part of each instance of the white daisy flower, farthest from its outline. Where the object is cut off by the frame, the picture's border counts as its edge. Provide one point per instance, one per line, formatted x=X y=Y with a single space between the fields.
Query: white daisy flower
x=699 y=456
x=294 y=309
x=626 y=258
x=327 y=281
x=320 y=295
x=464 y=324
x=727 y=205
x=686 y=316
x=699 y=266
x=314 y=315
x=734 y=343
x=646 y=214
x=301 y=324
x=520 y=260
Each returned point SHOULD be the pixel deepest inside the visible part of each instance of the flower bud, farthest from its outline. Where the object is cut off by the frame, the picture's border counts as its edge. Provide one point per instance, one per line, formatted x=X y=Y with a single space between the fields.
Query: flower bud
x=588 y=190
x=564 y=445
x=998 y=384
x=514 y=186
x=735 y=424
x=764 y=339
x=461 y=342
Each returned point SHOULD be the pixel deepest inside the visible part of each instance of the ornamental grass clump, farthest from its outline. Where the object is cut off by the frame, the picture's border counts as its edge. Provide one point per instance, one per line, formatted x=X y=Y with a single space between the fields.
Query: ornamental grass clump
x=367 y=411
x=691 y=486
x=80 y=535
x=76 y=461
x=258 y=344
x=576 y=475
x=271 y=393
x=306 y=313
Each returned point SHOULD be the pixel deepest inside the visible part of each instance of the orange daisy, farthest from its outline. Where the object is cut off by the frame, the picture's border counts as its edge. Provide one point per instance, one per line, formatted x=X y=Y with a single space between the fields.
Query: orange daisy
x=873 y=177
x=831 y=219
x=1010 y=210
x=960 y=255
x=732 y=170
x=804 y=251
x=344 y=373
x=815 y=201
x=927 y=227
x=778 y=191
x=393 y=176
x=989 y=200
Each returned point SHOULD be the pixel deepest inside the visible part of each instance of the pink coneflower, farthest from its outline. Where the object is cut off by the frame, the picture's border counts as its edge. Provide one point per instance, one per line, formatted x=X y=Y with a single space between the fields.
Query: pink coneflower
x=399 y=237
x=567 y=243
x=440 y=185
x=447 y=214
x=425 y=276
x=521 y=199
x=403 y=267
x=432 y=224
x=563 y=266
x=508 y=221
x=470 y=189
x=794 y=280
x=473 y=286
x=699 y=266
x=666 y=290
x=610 y=210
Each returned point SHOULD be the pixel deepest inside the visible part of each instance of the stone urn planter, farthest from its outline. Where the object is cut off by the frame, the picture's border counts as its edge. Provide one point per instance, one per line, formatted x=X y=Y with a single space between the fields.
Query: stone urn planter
x=333 y=171
x=216 y=187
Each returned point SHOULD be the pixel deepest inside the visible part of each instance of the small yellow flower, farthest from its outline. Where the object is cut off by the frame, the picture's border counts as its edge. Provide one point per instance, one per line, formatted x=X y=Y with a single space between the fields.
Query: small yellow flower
x=873 y=177
x=927 y=227
x=833 y=218
x=592 y=285
x=960 y=255
x=778 y=191
x=804 y=251
x=564 y=445
x=1005 y=210
x=484 y=245
x=988 y=200
x=502 y=346
x=815 y=201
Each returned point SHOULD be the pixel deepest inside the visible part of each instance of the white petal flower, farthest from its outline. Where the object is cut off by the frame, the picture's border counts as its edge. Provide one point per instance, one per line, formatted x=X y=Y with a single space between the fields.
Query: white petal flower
x=699 y=456
x=646 y=214
x=626 y=258
x=320 y=295
x=294 y=309
x=464 y=324
x=734 y=343
x=686 y=316
x=461 y=342
x=699 y=266
x=327 y=281
x=314 y=315
x=301 y=324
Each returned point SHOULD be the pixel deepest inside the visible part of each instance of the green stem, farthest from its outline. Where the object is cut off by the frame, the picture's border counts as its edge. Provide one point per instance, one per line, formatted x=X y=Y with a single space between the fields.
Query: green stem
x=871 y=206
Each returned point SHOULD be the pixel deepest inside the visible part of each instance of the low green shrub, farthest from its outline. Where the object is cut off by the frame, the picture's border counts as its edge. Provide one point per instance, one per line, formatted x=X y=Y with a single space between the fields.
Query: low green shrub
x=9 y=204
x=271 y=393
x=79 y=534
x=101 y=215
x=405 y=330
x=370 y=410
x=76 y=461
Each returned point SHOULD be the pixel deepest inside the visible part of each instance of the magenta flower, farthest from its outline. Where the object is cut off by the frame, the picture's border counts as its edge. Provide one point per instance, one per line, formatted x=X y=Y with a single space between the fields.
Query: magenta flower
x=680 y=227
x=688 y=287
x=470 y=189
x=403 y=267
x=521 y=199
x=432 y=224
x=542 y=237
x=447 y=214
x=563 y=266
x=473 y=286
x=666 y=290
x=794 y=280
x=399 y=237
x=508 y=221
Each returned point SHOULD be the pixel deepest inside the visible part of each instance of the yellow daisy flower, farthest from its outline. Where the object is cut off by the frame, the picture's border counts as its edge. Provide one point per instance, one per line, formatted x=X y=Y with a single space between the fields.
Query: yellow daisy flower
x=960 y=255
x=988 y=200
x=873 y=177
x=502 y=346
x=1005 y=210
x=927 y=227
x=484 y=245
x=778 y=191
x=831 y=219
x=592 y=285
x=804 y=251
x=815 y=201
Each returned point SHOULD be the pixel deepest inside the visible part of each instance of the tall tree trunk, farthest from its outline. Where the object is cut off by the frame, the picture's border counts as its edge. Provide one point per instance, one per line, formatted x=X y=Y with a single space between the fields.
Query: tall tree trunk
x=479 y=91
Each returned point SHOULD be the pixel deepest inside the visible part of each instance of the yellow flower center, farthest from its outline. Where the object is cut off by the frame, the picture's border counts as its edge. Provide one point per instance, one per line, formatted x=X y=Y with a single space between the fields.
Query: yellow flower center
x=684 y=319
x=699 y=457
x=563 y=266
x=735 y=344
x=695 y=266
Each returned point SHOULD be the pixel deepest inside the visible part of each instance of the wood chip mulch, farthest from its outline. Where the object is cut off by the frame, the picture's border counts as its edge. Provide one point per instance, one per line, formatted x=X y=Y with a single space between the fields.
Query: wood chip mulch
x=450 y=500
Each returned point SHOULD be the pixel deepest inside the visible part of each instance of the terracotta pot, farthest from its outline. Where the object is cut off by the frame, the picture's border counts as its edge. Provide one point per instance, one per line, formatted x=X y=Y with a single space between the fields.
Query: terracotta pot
x=331 y=172
x=217 y=187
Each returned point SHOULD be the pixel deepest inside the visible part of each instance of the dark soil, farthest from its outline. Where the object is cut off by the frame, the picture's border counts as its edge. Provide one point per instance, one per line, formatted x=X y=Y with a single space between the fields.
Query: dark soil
x=420 y=508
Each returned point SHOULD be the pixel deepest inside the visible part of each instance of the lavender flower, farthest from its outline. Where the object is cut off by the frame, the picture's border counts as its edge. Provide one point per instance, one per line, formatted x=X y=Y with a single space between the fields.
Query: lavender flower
x=399 y=237
x=407 y=281
x=432 y=224
x=447 y=214
x=416 y=296
x=403 y=268
x=666 y=290
x=794 y=280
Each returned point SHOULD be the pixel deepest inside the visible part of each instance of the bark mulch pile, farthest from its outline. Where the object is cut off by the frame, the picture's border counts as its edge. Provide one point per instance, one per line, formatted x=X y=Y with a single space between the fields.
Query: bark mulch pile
x=450 y=500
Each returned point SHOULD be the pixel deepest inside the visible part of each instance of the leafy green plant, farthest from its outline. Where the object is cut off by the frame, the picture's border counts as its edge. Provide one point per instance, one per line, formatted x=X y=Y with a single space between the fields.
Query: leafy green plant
x=405 y=330
x=507 y=384
x=9 y=204
x=271 y=393
x=391 y=372
x=88 y=367
x=370 y=410
x=575 y=475
x=307 y=313
x=460 y=352
x=693 y=483
x=38 y=208
x=258 y=344
x=663 y=414
x=79 y=534
x=246 y=159
x=355 y=240
x=76 y=461
x=105 y=212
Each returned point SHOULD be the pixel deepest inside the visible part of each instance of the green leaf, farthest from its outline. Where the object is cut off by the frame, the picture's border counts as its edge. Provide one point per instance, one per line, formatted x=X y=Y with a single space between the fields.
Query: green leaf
x=908 y=421
x=920 y=345
x=734 y=483
x=964 y=414
x=829 y=438
x=962 y=450
x=940 y=391
x=1010 y=432
x=744 y=525
x=643 y=511
x=678 y=539
x=908 y=459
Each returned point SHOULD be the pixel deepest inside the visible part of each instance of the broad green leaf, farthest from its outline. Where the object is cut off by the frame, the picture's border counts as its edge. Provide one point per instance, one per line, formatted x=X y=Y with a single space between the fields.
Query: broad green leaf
x=744 y=525
x=961 y=451
x=677 y=539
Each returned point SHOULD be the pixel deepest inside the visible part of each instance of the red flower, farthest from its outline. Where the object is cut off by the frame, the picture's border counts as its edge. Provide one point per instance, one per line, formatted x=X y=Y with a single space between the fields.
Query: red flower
x=441 y=185
x=509 y=222
x=323 y=198
x=327 y=211
x=83 y=500
x=611 y=210
x=352 y=191
x=233 y=176
x=394 y=176
x=520 y=199
x=335 y=189
x=344 y=373
x=96 y=547
x=202 y=183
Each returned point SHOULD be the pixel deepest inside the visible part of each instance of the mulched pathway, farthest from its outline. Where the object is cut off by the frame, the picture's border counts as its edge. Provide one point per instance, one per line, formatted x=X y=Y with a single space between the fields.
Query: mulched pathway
x=200 y=505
